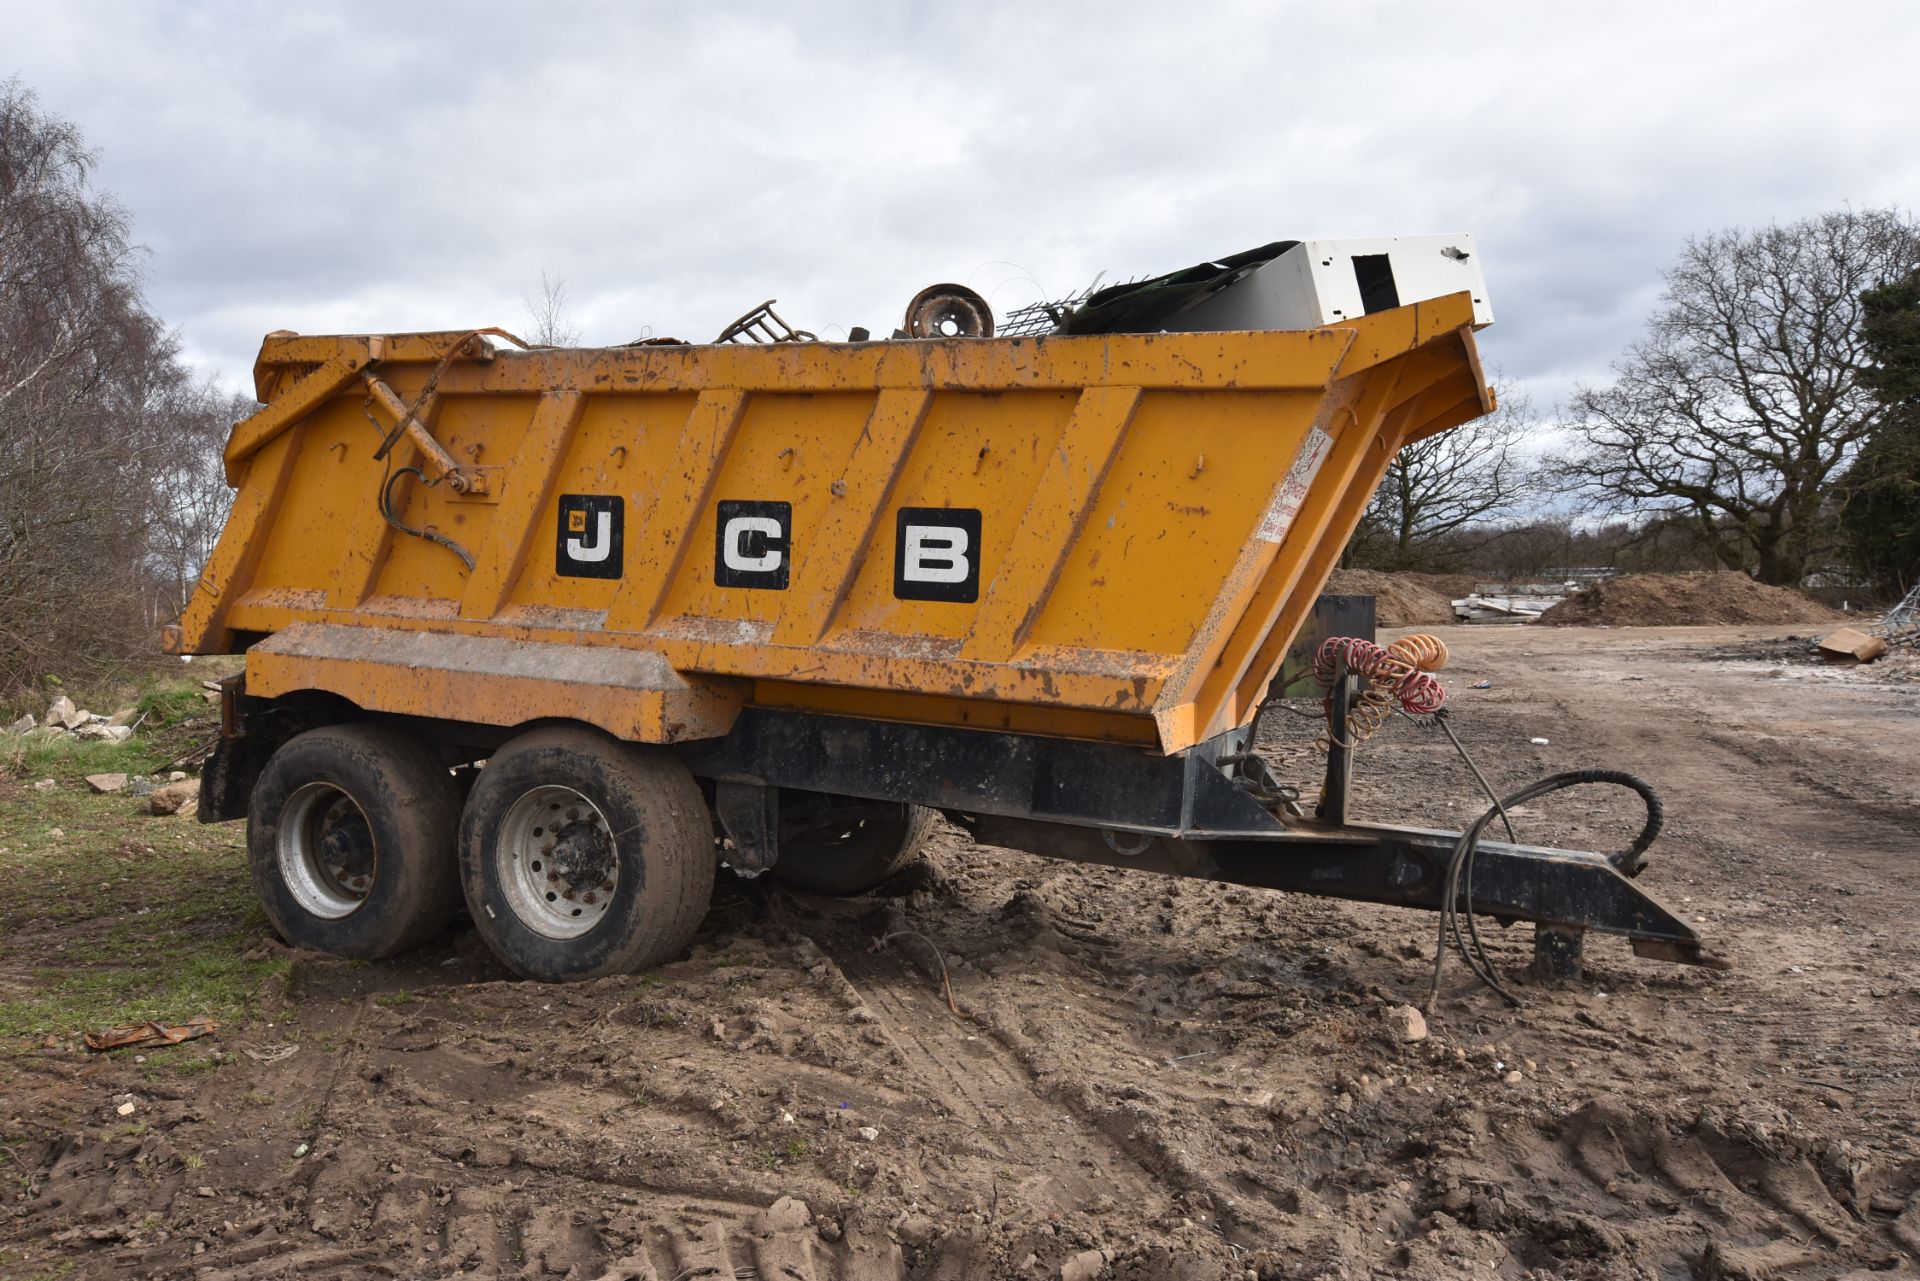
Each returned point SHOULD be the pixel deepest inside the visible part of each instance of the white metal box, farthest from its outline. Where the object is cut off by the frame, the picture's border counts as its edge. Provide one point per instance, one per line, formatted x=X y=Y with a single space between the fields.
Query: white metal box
x=1327 y=282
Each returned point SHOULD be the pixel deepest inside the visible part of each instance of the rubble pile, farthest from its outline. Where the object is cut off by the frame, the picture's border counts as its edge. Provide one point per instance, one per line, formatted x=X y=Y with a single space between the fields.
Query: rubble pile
x=63 y=718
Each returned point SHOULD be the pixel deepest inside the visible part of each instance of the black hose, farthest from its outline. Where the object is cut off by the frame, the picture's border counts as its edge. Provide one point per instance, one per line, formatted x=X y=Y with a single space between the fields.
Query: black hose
x=386 y=510
x=1457 y=893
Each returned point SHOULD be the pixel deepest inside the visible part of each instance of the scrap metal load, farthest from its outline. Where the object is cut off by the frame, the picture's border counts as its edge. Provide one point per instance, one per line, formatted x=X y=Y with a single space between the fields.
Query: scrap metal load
x=1039 y=579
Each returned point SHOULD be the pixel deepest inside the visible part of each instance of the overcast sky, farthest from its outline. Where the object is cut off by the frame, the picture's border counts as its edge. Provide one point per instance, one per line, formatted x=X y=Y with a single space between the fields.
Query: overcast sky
x=350 y=167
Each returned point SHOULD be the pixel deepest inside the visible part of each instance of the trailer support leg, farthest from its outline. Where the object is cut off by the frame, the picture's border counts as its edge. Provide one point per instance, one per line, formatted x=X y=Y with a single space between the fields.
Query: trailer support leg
x=1557 y=953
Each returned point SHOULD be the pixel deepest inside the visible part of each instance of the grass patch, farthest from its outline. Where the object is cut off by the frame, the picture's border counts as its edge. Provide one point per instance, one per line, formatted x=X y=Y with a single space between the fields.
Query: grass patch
x=70 y=759
x=171 y=701
x=122 y=916
x=167 y=989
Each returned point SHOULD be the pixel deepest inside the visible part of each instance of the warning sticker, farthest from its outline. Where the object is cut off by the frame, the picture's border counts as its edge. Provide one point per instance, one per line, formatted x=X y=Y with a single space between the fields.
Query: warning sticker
x=1292 y=493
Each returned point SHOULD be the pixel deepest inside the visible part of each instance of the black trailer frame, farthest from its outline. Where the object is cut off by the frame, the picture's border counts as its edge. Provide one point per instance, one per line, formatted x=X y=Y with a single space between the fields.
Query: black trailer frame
x=1176 y=815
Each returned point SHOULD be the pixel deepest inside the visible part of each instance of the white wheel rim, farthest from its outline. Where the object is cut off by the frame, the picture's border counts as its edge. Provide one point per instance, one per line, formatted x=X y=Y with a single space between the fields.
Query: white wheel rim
x=557 y=862
x=327 y=855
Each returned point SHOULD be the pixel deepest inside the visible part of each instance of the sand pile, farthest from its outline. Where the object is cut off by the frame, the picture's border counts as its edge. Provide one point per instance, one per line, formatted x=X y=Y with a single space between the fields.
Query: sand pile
x=1399 y=600
x=1679 y=600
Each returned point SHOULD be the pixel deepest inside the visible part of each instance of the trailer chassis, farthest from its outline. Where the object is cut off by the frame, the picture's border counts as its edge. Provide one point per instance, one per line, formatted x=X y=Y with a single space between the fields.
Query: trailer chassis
x=1175 y=815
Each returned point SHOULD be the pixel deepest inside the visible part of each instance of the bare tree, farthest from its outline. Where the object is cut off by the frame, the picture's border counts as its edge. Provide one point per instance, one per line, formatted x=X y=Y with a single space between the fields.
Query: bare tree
x=1439 y=490
x=1743 y=406
x=547 y=313
x=104 y=440
x=190 y=497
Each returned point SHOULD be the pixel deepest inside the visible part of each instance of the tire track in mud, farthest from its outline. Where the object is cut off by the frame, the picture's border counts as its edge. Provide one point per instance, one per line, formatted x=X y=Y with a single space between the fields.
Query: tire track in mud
x=991 y=1090
x=486 y=1209
x=1078 y=1146
x=1829 y=787
x=472 y=1201
x=558 y=1227
x=1737 y=1204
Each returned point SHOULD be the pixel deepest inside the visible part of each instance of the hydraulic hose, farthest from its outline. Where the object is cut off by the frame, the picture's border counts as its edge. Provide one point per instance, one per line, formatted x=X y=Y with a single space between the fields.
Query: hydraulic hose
x=1457 y=893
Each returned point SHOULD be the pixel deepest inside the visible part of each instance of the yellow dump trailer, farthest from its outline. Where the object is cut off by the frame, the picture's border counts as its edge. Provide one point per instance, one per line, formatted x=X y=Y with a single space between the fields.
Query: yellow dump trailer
x=1107 y=538
x=770 y=604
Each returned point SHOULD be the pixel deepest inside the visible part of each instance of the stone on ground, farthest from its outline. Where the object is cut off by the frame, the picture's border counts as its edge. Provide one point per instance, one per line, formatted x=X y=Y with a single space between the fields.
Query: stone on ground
x=172 y=798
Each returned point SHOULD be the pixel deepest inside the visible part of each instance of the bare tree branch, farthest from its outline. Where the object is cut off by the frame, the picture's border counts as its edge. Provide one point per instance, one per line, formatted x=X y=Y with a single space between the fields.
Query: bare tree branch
x=547 y=315
x=1437 y=488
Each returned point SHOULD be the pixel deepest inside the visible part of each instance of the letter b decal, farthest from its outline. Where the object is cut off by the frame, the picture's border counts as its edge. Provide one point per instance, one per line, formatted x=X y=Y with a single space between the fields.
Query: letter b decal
x=936 y=554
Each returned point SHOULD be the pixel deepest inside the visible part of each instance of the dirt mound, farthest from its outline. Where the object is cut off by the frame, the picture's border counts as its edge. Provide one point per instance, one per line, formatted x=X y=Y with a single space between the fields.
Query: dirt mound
x=1452 y=586
x=1399 y=600
x=1679 y=600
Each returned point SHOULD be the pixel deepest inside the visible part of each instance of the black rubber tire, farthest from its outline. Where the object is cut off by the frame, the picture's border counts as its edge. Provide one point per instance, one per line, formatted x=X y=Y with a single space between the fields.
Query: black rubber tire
x=412 y=812
x=888 y=837
x=663 y=842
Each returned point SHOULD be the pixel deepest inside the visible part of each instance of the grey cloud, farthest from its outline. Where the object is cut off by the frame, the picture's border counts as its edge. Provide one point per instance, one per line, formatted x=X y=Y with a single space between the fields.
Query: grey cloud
x=387 y=167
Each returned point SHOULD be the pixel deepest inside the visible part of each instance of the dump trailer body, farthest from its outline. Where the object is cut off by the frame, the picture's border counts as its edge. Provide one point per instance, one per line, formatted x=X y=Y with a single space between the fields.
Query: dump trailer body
x=1107 y=538
x=794 y=598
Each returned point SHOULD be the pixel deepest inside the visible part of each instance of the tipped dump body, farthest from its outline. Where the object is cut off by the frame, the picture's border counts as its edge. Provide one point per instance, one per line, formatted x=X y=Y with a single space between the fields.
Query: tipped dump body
x=1111 y=537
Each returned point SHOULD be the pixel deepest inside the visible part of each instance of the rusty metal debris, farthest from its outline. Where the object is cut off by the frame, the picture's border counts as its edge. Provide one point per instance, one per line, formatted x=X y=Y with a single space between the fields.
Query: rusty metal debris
x=763 y=325
x=135 y=1035
x=1902 y=622
x=1863 y=643
x=948 y=311
x=1039 y=318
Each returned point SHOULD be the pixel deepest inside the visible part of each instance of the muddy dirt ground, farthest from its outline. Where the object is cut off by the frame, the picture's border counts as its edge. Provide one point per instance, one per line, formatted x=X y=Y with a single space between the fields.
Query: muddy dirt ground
x=1135 y=1078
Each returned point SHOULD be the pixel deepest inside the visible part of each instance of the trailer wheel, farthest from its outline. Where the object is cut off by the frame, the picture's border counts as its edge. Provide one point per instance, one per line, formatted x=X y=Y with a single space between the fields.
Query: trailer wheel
x=581 y=856
x=842 y=845
x=351 y=841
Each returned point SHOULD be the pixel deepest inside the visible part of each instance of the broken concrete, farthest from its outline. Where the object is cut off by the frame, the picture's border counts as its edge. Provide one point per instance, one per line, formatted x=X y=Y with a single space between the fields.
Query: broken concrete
x=104 y=783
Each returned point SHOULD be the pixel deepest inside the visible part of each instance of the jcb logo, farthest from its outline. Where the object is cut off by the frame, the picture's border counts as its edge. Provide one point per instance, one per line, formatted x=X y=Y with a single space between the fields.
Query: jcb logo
x=592 y=536
x=936 y=550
